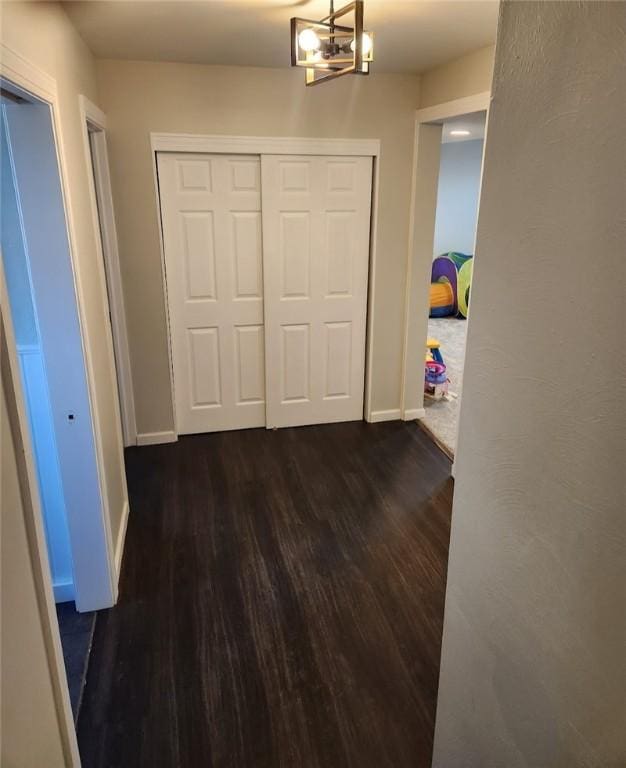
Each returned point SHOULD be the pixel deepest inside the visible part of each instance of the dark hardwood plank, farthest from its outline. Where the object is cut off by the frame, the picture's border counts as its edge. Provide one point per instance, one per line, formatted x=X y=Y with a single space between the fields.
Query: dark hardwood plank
x=281 y=603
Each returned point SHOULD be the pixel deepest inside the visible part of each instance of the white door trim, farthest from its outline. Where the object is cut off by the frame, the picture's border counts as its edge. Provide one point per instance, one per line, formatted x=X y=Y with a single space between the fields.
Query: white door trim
x=262 y=145
x=33 y=519
x=477 y=102
x=94 y=120
x=91 y=113
x=422 y=231
x=26 y=75
x=274 y=145
x=34 y=82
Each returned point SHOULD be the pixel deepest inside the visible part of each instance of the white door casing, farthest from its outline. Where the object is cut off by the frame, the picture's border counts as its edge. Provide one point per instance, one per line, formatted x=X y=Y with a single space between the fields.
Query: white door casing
x=316 y=236
x=211 y=216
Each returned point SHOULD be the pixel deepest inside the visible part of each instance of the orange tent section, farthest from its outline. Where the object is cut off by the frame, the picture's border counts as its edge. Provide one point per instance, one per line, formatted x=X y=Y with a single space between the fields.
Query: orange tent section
x=441 y=295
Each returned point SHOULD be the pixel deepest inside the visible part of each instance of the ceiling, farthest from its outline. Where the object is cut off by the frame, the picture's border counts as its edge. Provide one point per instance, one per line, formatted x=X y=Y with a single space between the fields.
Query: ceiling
x=474 y=123
x=411 y=35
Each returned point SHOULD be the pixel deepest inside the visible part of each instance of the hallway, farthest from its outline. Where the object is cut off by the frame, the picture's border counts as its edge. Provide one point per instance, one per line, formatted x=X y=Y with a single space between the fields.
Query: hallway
x=281 y=603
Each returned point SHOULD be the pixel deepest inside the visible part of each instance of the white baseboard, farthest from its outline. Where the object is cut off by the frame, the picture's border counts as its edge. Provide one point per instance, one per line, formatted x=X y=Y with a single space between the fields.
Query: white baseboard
x=414 y=413
x=63 y=591
x=156 y=438
x=391 y=415
x=121 y=538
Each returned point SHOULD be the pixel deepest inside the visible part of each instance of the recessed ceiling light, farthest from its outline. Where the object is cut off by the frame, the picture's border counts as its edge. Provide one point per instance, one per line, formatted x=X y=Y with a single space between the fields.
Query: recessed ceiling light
x=459 y=133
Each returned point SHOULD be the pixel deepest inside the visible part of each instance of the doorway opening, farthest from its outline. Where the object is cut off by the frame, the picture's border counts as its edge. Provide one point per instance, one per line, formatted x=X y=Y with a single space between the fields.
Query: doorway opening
x=458 y=189
x=96 y=155
x=447 y=174
x=38 y=276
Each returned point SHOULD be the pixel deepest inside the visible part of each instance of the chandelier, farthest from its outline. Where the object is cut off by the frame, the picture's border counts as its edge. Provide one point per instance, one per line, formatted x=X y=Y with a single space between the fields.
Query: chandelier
x=328 y=50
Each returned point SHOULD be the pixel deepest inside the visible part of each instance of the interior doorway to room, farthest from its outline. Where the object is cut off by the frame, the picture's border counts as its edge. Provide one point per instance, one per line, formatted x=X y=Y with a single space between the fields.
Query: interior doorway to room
x=450 y=281
x=447 y=173
x=38 y=290
x=94 y=122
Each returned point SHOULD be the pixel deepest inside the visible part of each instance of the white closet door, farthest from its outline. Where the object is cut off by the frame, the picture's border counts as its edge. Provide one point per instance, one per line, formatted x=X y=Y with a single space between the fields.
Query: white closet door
x=211 y=214
x=316 y=232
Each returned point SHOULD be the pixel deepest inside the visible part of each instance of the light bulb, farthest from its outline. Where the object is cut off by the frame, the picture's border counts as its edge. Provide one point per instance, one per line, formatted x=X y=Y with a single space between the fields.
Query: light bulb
x=366 y=44
x=308 y=40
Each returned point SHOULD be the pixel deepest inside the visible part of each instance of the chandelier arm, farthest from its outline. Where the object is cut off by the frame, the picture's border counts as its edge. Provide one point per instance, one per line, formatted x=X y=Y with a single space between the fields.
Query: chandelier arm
x=326 y=52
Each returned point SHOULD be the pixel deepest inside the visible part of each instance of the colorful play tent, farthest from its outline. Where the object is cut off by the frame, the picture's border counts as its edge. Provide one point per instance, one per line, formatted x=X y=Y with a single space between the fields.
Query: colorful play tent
x=450 y=282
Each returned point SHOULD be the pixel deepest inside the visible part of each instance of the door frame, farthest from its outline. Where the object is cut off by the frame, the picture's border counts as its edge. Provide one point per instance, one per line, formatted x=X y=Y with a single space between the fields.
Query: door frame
x=19 y=73
x=31 y=80
x=426 y=155
x=93 y=121
x=34 y=524
x=271 y=145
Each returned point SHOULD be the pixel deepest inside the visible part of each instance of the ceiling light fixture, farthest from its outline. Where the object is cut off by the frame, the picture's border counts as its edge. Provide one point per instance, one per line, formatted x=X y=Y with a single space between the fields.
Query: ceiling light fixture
x=459 y=133
x=328 y=50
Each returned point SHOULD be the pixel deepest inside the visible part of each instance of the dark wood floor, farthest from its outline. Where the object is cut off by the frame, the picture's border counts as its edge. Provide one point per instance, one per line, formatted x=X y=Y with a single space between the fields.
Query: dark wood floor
x=281 y=603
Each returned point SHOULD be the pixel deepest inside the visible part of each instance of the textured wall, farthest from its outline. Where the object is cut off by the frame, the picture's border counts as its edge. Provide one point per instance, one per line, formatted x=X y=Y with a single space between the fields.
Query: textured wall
x=457 y=196
x=140 y=97
x=533 y=662
x=461 y=77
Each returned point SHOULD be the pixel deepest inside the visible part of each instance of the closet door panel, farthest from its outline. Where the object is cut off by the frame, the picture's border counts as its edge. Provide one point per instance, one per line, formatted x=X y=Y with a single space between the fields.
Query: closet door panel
x=212 y=234
x=316 y=233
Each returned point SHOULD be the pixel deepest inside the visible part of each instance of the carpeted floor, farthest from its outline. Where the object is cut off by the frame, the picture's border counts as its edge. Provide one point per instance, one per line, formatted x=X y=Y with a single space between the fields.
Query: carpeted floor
x=442 y=415
x=76 y=635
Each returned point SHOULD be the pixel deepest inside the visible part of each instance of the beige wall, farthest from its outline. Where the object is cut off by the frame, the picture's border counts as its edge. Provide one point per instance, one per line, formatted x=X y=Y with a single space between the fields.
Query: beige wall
x=465 y=76
x=42 y=33
x=140 y=97
x=31 y=733
x=533 y=663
